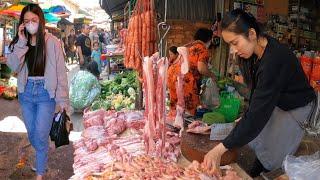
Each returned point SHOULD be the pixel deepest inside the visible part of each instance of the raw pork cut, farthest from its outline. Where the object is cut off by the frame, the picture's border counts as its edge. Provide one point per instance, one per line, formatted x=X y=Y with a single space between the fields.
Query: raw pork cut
x=199 y=127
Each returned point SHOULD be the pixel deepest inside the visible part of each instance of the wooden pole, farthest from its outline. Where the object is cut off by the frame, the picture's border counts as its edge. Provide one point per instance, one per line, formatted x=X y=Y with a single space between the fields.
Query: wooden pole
x=139 y=95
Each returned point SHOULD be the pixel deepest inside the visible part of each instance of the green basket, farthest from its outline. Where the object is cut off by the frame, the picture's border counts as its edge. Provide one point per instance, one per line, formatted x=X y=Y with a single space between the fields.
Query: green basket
x=229 y=106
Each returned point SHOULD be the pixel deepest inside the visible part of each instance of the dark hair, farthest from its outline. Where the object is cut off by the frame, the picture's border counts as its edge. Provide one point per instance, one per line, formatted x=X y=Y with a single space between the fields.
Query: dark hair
x=203 y=34
x=96 y=42
x=240 y=22
x=218 y=16
x=83 y=26
x=92 y=67
x=173 y=49
x=39 y=62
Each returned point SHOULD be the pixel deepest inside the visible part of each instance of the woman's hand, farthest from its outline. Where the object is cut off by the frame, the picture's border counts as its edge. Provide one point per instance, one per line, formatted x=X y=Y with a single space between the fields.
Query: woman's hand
x=3 y=59
x=212 y=159
x=238 y=120
x=213 y=78
x=58 y=109
x=21 y=34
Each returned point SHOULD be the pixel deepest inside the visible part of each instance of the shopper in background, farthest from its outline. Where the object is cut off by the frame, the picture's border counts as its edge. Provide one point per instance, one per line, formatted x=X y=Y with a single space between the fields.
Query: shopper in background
x=96 y=54
x=37 y=58
x=93 y=35
x=83 y=44
x=198 y=67
x=71 y=51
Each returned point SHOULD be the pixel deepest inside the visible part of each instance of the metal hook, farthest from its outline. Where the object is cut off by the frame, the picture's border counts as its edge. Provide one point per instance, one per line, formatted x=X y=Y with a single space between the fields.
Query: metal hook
x=166 y=27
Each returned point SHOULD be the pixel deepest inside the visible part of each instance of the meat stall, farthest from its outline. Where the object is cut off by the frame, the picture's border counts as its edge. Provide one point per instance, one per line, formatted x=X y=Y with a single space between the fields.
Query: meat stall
x=131 y=144
x=138 y=144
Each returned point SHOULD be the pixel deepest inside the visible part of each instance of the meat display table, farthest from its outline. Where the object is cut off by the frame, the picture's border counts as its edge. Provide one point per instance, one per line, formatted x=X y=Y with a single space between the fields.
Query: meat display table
x=196 y=146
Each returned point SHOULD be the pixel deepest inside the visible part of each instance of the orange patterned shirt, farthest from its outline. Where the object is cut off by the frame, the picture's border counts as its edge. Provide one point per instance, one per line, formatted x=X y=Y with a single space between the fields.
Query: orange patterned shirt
x=197 y=52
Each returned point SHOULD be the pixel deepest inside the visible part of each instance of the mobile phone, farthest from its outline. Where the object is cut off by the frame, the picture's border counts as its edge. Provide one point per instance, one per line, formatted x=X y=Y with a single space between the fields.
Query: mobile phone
x=25 y=32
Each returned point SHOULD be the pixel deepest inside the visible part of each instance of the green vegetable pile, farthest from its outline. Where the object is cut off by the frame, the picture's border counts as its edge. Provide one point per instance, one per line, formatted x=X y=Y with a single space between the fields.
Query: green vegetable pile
x=119 y=93
x=213 y=118
x=223 y=82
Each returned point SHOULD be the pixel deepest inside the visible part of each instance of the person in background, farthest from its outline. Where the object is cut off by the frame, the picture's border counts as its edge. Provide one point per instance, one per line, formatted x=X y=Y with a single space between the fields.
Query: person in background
x=198 y=66
x=83 y=44
x=281 y=98
x=216 y=28
x=172 y=78
x=96 y=54
x=37 y=58
x=93 y=35
x=174 y=70
x=108 y=37
x=94 y=69
x=101 y=35
x=71 y=52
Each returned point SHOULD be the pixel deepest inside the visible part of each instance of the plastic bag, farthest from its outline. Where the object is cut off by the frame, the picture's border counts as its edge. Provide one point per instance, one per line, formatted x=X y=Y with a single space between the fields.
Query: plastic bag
x=61 y=127
x=84 y=89
x=210 y=96
x=303 y=167
x=313 y=126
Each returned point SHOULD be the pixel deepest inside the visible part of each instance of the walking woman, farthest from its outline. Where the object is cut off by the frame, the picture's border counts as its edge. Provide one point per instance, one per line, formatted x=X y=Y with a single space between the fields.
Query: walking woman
x=38 y=60
x=281 y=98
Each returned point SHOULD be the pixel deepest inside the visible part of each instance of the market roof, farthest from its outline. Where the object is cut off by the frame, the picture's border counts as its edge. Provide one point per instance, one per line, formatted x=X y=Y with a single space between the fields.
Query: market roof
x=204 y=10
x=113 y=6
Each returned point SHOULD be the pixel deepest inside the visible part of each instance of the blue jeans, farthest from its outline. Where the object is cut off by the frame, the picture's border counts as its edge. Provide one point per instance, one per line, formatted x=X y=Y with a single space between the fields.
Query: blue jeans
x=38 y=112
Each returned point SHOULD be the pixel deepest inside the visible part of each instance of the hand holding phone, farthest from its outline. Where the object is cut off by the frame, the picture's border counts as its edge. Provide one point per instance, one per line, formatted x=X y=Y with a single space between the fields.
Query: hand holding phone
x=22 y=32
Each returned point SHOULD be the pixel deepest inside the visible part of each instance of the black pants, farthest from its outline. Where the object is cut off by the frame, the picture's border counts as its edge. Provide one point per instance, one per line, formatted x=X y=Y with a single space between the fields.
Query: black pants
x=257 y=169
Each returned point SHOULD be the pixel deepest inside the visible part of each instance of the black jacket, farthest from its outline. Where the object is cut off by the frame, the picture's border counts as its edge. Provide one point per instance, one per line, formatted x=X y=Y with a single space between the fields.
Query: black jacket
x=278 y=81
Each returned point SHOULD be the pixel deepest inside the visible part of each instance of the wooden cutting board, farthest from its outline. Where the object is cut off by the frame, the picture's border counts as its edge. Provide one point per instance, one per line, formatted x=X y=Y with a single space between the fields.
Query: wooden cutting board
x=196 y=146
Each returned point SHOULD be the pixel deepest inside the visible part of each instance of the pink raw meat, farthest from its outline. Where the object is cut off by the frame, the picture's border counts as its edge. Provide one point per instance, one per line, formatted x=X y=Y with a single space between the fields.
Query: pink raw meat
x=115 y=126
x=179 y=121
x=199 y=127
x=96 y=120
x=149 y=128
x=184 y=52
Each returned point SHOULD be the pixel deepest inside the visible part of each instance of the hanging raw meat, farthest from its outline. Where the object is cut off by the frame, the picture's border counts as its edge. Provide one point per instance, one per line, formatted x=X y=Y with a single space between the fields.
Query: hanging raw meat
x=154 y=82
x=180 y=107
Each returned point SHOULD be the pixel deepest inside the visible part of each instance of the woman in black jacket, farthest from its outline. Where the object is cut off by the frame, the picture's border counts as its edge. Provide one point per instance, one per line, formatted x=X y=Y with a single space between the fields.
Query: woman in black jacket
x=281 y=98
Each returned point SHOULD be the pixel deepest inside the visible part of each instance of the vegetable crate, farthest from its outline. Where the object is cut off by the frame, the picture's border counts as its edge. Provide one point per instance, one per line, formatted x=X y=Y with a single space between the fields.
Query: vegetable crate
x=229 y=106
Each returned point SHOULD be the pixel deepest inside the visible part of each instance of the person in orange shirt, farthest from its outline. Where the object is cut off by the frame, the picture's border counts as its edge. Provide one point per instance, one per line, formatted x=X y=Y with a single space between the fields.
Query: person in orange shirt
x=198 y=66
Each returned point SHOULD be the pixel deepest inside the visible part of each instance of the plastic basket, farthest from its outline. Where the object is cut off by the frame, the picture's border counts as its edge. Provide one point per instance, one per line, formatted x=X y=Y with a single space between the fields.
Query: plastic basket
x=229 y=106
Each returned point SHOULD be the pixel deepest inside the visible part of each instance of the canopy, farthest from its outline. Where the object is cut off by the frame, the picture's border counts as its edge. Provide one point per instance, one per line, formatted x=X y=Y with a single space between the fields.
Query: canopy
x=51 y=18
x=60 y=11
x=13 y=10
x=113 y=6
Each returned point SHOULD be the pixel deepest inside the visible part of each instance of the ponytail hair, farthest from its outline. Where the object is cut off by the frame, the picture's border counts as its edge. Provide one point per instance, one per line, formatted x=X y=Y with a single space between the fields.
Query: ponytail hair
x=240 y=22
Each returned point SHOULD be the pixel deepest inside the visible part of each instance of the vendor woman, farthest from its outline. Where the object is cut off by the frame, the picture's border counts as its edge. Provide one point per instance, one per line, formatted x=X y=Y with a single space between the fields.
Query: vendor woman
x=198 y=66
x=281 y=98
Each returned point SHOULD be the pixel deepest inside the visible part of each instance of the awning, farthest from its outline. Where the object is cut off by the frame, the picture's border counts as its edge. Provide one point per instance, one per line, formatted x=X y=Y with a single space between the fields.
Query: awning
x=13 y=10
x=51 y=18
x=113 y=6
x=60 y=11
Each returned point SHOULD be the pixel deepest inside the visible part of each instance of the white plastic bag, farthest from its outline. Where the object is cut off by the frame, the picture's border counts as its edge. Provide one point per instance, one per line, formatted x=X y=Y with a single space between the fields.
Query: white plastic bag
x=303 y=167
x=313 y=126
x=210 y=96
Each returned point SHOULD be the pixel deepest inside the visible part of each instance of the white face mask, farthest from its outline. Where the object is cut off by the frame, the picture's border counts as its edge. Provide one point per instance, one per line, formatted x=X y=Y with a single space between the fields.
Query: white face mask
x=32 y=27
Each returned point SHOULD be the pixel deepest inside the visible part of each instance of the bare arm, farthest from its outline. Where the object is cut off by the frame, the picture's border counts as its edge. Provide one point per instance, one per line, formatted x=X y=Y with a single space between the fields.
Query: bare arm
x=79 y=50
x=204 y=70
